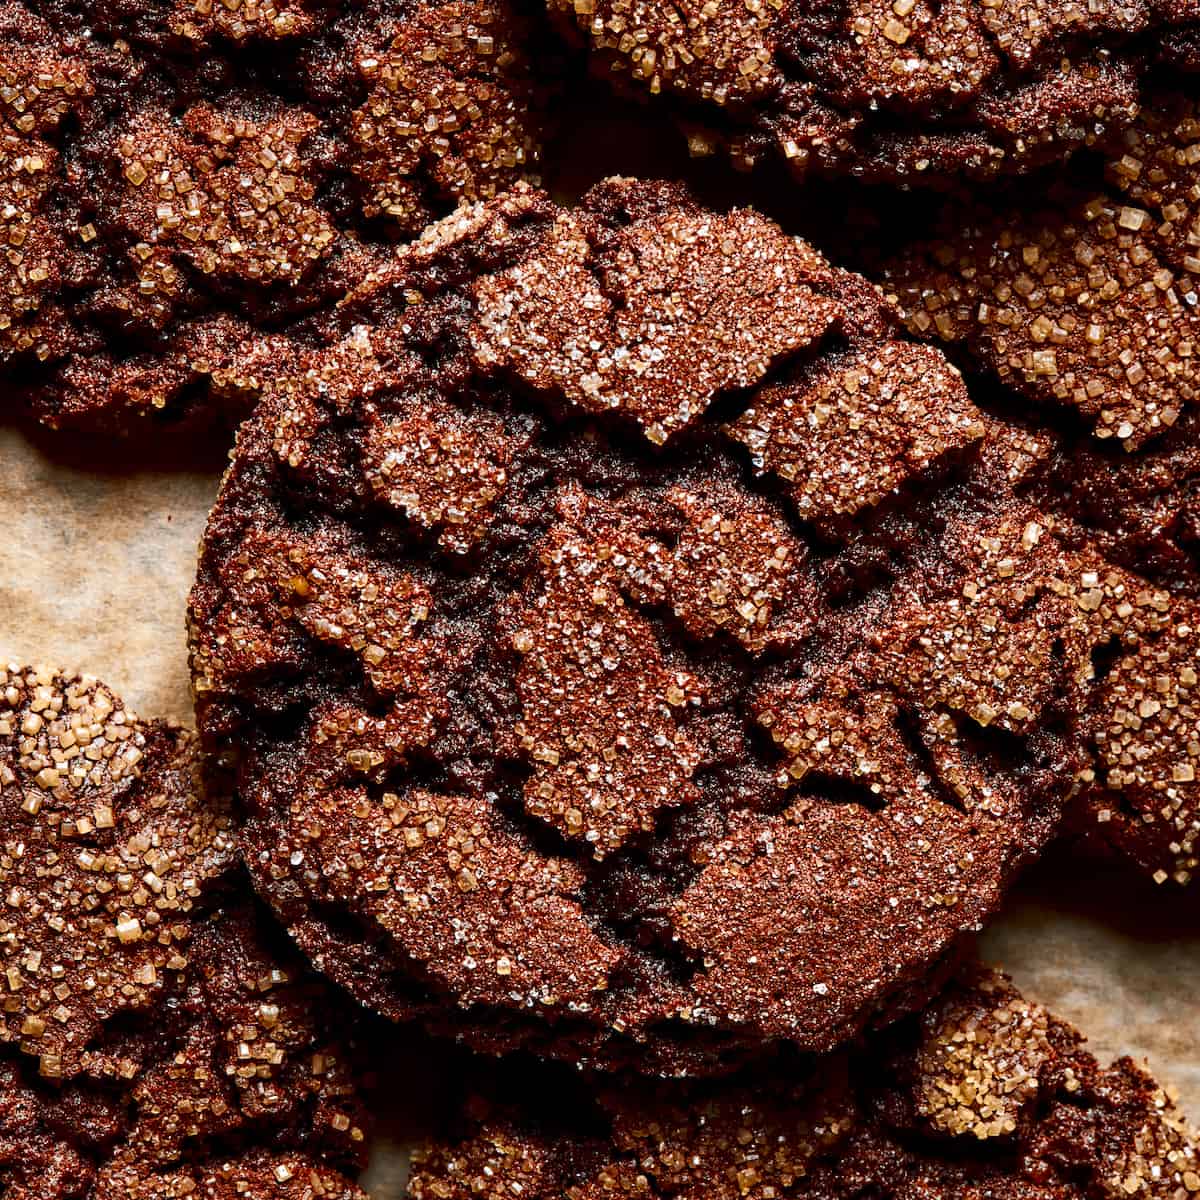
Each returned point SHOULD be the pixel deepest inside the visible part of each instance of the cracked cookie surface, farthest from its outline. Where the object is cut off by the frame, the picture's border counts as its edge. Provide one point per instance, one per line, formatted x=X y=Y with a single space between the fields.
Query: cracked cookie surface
x=909 y=91
x=985 y=1095
x=160 y=1038
x=189 y=188
x=1084 y=305
x=546 y=684
x=1085 y=298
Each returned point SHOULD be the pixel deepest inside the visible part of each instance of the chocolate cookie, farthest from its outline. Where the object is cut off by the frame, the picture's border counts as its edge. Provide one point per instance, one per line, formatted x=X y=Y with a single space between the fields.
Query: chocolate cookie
x=189 y=185
x=988 y=1095
x=1086 y=299
x=631 y=645
x=909 y=92
x=1087 y=306
x=158 y=1036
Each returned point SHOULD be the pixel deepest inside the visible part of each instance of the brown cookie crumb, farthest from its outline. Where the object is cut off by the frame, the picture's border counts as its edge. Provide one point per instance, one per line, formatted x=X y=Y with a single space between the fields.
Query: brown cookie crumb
x=598 y=703
x=203 y=21
x=442 y=470
x=41 y=86
x=978 y=1070
x=231 y=195
x=914 y=404
x=106 y=807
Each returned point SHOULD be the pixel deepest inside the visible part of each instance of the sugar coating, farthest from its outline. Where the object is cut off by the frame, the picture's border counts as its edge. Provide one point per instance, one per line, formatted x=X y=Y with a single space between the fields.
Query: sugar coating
x=231 y=195
x=452 y=98
x=603 y=770
x=620 y=338
x=793 y=429
x=733 y=566
x=979 y=1069
x=907 y=92
x=41 y=86
x=600 y=722
x=107 y=853
x=1087 y=300
x=436 y=469
x=987 y=1094
x=253 y=1176
x=177 y=221
x=122 y=911
x=1146 y=733
x=202 y=21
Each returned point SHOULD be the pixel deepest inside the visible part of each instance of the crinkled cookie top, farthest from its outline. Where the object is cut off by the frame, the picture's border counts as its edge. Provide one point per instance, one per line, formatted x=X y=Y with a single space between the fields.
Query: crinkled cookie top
x=644 y=651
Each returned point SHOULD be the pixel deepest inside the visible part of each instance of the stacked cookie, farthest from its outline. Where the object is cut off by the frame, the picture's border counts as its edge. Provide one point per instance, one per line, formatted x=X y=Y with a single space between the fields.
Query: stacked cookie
x=624 y=633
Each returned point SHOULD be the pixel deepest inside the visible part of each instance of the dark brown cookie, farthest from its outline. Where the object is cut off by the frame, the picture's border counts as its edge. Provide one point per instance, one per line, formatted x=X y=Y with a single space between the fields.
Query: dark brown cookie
x=160 y=1038
x=1086 y=305
x=986 y=1096
x=1087 y=297
x=188 y=187
x=911 y=91
x=630 y=645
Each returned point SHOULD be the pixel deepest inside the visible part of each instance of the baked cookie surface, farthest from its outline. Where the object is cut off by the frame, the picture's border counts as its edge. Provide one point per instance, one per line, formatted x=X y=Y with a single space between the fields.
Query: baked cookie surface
x=985 y=1095
x=1083 y=304
x=632 y=646
x=189 y=187
x=160 y=1037
x=910 y=92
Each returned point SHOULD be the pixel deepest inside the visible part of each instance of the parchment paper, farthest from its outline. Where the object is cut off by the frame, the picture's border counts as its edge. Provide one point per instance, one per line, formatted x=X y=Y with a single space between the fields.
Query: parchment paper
x=96 y=560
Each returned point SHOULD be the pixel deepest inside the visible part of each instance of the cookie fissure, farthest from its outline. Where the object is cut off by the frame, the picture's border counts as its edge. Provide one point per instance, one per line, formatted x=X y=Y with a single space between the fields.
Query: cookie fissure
x=1141 y=514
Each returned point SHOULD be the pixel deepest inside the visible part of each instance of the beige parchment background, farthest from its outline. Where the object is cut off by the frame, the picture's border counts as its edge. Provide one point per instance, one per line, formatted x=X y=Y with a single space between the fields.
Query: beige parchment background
x=96 y=559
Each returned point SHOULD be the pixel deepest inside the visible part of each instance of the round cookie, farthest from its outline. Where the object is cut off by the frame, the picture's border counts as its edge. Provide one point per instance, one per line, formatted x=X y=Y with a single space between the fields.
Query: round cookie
x=159 y=1036
x=911 y=92
x=988 y=1095
x=189 y=186
x=630 y=645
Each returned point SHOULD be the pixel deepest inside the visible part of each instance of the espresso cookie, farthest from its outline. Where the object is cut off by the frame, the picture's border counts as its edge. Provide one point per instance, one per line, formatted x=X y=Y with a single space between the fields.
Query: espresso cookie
x=160 y=1038
x=189 y=187
x=912 y=93
x=986 y=1095
x=631 y=645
